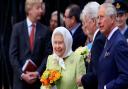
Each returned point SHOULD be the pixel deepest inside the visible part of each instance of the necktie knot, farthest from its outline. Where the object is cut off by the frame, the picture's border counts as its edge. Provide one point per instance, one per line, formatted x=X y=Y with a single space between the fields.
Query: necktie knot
x=33 y=25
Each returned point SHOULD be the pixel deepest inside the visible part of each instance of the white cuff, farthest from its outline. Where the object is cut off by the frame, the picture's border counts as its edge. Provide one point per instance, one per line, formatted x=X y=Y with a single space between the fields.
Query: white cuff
x=105 y=87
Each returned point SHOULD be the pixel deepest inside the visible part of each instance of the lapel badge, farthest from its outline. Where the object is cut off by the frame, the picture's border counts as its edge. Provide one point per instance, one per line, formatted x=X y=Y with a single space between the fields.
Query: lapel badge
x=117 y=5
x=107 y=54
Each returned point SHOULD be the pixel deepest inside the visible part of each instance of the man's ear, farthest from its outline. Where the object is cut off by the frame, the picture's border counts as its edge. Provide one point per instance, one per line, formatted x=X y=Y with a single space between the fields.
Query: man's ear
x=73 y=18
x=127 y=15
x=113 y=18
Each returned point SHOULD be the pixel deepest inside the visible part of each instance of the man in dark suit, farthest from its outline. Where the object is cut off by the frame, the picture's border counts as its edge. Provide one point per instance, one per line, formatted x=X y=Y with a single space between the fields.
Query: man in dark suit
x=122 y=16
x=89 y=80
x=72 y=23
x=89 y=16
x=112 y=66
x=29 y=40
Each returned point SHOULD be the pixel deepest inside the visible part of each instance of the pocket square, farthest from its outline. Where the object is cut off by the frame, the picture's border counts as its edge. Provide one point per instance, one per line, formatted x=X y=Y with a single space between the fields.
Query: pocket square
x=107 y=54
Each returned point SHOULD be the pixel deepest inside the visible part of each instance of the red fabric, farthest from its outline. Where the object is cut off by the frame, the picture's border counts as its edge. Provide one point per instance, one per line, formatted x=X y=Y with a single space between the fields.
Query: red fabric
x=31 y=38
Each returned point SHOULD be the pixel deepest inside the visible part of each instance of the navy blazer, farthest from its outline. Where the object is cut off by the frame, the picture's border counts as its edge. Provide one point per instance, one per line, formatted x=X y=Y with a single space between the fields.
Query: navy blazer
x=19 y=51
x=89 y=80
x=113 y=63
x=126 y=33
x=78 y=38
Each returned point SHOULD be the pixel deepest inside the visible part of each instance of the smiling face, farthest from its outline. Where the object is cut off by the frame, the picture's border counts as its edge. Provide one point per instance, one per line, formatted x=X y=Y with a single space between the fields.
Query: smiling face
x=59 y=45
x=121 y=20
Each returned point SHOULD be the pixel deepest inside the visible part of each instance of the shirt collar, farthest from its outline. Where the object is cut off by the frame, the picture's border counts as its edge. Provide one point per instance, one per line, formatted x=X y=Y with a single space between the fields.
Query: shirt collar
x=123 y=30
x=95 y=34
x=29 y=23
x=73 y=29
x=111 y=33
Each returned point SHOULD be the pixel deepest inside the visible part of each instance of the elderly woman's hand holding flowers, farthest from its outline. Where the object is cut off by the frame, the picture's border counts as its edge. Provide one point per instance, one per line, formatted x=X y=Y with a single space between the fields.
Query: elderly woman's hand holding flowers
x=50 y=77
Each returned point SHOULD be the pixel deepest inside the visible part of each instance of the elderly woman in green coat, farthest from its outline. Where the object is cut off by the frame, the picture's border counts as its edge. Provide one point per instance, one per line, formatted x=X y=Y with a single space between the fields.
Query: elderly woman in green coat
x=68 y=63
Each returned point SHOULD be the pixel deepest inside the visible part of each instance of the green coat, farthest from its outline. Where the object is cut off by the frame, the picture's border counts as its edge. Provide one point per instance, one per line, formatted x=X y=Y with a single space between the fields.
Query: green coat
x=74 y=68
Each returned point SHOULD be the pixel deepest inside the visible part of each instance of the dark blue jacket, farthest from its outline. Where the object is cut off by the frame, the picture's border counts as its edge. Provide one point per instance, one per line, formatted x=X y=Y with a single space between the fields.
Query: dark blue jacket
x=113 y=63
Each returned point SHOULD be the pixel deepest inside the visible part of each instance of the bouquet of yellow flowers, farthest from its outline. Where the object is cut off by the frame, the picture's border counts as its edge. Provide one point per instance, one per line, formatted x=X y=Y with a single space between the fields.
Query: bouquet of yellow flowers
x=49 y=77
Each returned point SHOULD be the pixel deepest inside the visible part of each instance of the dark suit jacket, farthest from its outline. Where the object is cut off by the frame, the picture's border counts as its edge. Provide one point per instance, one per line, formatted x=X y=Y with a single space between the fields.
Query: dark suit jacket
x=89 y=80
x=20 y=51
x=126 y=34
x=78 y=38
x=113 y=63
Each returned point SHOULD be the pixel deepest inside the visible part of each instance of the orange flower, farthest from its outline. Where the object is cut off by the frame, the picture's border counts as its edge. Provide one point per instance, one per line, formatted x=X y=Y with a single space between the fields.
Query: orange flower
x=49 y=77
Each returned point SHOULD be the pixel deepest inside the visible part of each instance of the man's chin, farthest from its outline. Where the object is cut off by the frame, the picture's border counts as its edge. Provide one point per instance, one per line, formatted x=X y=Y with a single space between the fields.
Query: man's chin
x=38 y=18
x=102 y=31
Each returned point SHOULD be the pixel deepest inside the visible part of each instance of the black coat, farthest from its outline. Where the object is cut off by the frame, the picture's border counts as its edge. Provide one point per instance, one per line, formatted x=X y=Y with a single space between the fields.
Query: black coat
x=79 y=38
x=89 y=80
x=126 y=33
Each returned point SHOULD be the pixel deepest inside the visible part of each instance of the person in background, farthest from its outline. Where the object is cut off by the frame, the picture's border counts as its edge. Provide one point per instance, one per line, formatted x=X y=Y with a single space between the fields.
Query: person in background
x=54 y=23
x=63 y=59
x=72 y=23
x=109 y=1
x=43 y=8
x=112 y=66
x=122 y=16
x=54 y=20
x=29 y=40
x=89 y=16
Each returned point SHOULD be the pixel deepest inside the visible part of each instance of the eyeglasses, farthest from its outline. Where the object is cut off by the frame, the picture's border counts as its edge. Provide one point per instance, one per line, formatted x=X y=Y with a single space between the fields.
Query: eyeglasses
x=67 y=16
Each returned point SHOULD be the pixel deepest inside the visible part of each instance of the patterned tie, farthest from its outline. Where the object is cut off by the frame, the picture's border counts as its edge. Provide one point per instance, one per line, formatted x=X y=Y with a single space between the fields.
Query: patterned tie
x=31 y=38
x=106 y=43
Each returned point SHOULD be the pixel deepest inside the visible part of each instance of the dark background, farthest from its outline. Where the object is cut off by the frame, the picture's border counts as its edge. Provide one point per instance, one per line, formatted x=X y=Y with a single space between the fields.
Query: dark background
x=11 y=12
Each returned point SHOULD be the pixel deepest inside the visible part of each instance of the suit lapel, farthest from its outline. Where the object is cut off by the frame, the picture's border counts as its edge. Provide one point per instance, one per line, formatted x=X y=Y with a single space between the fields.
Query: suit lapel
x=106 y=51
x=112 y=39
x=126 y=34
x=76 y=32
x=25 y=33
x=96 y=37
x=36 y=36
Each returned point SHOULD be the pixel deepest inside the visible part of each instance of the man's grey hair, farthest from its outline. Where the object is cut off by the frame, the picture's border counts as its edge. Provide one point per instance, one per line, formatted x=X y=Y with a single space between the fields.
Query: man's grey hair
x=90 y=10
x=55 y=13
x=110 y=9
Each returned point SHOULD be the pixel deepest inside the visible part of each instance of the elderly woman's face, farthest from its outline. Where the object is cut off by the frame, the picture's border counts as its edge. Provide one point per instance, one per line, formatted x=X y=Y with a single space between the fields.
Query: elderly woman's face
x=58 y=45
